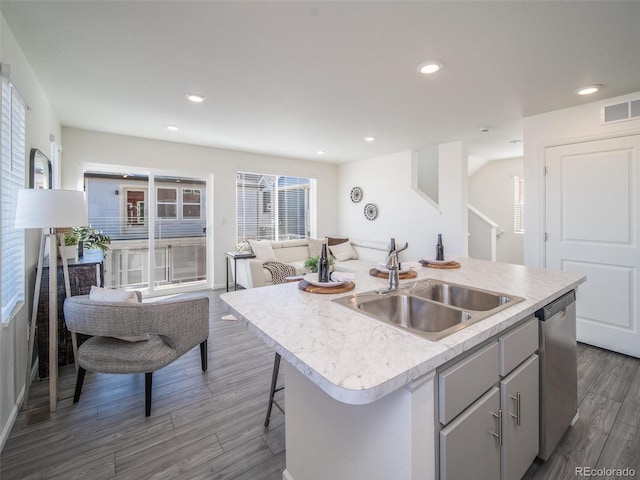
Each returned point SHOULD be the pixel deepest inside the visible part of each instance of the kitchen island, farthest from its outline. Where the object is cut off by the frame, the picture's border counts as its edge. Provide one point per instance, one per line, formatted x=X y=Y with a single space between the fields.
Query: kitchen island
x=360 y=394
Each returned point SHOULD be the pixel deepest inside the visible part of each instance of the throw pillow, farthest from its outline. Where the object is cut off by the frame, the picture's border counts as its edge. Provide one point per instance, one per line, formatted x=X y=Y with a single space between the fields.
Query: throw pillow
x=98 y=294
x=343 y=251
x=331 y=241
x=263 y=250
x=315 y=246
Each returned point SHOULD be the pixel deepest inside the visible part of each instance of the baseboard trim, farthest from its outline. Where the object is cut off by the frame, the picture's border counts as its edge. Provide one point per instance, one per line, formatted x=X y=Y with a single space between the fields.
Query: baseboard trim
x=286 y=475
x=6 y=430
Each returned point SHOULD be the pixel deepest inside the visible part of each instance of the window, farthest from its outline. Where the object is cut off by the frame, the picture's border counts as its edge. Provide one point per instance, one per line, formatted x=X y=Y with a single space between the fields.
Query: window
x=191 y=203
x=135 y=201
x=13 y=179
x=518 y=204
x=167 y=203
x=274 y=207
x=160 y=253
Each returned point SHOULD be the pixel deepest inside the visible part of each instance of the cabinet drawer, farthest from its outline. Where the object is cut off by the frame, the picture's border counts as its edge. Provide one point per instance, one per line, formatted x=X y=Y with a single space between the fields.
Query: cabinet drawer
x=517 y=345
x=461 y=384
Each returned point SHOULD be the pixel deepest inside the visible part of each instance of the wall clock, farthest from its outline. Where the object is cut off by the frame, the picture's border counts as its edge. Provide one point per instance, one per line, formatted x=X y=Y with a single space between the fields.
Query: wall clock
x=370 y=211
x=356 y=194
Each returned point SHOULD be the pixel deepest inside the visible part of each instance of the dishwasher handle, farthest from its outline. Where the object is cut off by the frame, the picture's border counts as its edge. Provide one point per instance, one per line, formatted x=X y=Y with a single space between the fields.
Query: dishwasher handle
x=556 y=306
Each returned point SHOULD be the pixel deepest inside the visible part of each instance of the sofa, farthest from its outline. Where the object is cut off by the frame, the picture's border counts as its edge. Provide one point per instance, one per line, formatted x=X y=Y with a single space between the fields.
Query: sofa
x=251 y=272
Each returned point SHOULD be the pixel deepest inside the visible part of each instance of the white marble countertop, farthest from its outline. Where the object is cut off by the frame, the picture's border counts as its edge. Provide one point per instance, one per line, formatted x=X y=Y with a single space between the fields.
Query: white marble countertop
x=356 y=359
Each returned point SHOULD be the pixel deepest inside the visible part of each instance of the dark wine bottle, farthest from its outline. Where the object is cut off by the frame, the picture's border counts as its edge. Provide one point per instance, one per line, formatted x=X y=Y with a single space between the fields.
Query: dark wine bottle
x=439 y=249
x=323 y=265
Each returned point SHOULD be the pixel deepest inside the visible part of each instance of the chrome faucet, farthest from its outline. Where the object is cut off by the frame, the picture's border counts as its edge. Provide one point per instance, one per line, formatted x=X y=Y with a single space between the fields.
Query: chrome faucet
x=393 y=265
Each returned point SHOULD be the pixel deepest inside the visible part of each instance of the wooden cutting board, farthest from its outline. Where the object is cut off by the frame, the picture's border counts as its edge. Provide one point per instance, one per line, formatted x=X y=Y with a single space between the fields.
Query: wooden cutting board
x=374 y=272
x=307 y=287
x=440 y=265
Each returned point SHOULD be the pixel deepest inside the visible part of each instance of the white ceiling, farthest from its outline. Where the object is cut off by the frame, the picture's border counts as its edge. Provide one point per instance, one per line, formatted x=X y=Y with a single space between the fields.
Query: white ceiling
x=291 y=78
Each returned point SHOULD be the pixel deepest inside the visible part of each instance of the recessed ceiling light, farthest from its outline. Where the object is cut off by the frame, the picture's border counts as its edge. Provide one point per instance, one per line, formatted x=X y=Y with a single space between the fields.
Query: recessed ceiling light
x=430 y=67
x=196 y=97
x=369 y=139
x=173 y=128
x=484 y=129
x=321 y=152
x=588 y=90
x=515 y=142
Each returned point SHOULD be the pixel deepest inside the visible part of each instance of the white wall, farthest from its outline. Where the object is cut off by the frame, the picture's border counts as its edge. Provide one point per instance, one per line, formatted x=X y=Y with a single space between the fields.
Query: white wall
x=403 y=213
x=491 y=192
x=426 y=172
x=571 y=125
x=83 y=146
x=41 y=122
x=453 y=164
x=481 y=236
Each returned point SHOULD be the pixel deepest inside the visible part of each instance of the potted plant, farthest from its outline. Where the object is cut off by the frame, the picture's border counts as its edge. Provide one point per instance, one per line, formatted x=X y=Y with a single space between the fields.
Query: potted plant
x=311 y=263
x=92 y=238
x=70 y=245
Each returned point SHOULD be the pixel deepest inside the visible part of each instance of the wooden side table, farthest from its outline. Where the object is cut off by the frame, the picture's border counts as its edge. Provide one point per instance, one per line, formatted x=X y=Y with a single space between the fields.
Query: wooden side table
x=235 y=256
x=84 y=272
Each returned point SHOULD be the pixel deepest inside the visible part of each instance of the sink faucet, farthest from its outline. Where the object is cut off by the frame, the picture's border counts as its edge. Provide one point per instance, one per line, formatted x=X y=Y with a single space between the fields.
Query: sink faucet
x=393 y=266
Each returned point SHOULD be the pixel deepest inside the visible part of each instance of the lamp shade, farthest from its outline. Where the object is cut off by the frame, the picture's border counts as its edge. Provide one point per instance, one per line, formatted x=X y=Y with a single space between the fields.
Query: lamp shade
x=38 y=208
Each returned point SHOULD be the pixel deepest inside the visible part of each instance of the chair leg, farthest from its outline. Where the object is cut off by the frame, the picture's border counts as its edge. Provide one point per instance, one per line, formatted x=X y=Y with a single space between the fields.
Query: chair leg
x=203 y=355
x=79 y=382
x=148 y=380
x=272 y=392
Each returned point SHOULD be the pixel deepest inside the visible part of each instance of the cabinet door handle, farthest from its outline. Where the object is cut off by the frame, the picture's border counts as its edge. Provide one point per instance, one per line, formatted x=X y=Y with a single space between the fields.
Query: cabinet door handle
x=499 y=434
x=517 y=415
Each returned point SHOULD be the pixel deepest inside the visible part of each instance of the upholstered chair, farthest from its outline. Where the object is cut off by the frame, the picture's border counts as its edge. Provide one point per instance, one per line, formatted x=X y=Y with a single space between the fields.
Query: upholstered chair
x=155 y=334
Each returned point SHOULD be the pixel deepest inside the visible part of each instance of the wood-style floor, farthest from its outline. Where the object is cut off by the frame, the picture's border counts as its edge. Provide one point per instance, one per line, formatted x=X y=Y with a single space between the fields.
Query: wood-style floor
x=210 y=426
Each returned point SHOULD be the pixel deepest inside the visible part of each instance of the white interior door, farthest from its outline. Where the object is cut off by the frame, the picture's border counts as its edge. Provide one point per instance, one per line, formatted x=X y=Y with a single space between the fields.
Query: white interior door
x=592 y=219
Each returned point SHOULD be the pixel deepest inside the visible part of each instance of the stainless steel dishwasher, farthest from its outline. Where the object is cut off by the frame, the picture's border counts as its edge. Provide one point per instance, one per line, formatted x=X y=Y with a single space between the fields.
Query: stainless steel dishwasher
x=558 y=371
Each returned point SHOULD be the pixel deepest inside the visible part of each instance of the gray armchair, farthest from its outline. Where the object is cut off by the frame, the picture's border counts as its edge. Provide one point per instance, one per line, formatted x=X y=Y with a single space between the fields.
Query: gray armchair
x=173 y=327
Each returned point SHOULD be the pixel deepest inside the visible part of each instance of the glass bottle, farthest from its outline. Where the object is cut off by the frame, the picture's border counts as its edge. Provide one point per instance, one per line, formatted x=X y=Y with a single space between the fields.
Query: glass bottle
x=439 y=249
x=323 y=265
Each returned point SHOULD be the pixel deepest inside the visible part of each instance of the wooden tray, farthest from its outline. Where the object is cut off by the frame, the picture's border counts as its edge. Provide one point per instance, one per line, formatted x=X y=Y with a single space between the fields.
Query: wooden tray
x=374 y=272
x=440 y=265
x=307 y=287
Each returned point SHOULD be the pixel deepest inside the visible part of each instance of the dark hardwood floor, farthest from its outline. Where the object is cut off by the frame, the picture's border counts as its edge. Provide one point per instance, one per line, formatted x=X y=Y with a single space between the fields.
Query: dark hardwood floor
x=204 y=426
x=607 y=434
x=210 y=426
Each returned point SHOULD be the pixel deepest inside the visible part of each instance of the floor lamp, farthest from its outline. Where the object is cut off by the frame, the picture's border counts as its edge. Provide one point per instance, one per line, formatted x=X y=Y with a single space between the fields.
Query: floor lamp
x=49 y=209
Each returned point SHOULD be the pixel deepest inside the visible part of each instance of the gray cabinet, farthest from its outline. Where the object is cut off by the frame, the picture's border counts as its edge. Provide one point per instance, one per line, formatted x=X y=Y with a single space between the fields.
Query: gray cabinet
x=519 y=402
x=488 y=408
x=470 y=445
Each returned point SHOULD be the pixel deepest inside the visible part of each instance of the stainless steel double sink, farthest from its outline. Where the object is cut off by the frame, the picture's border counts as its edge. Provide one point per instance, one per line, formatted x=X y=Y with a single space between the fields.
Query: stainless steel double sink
x=431 y=309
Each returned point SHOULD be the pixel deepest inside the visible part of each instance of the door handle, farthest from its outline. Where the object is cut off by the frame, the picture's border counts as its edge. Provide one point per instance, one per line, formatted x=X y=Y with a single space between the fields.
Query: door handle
x=499 y=434
x=517 y=415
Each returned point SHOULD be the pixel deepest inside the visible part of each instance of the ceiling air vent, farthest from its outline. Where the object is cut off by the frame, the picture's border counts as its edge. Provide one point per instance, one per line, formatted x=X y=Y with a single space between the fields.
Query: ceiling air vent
x=621 y=111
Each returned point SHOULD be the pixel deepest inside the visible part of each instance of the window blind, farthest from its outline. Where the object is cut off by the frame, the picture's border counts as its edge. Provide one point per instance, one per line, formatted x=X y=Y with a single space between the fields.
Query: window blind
x=275 y=207
x=13 y=179
x=518 y=204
